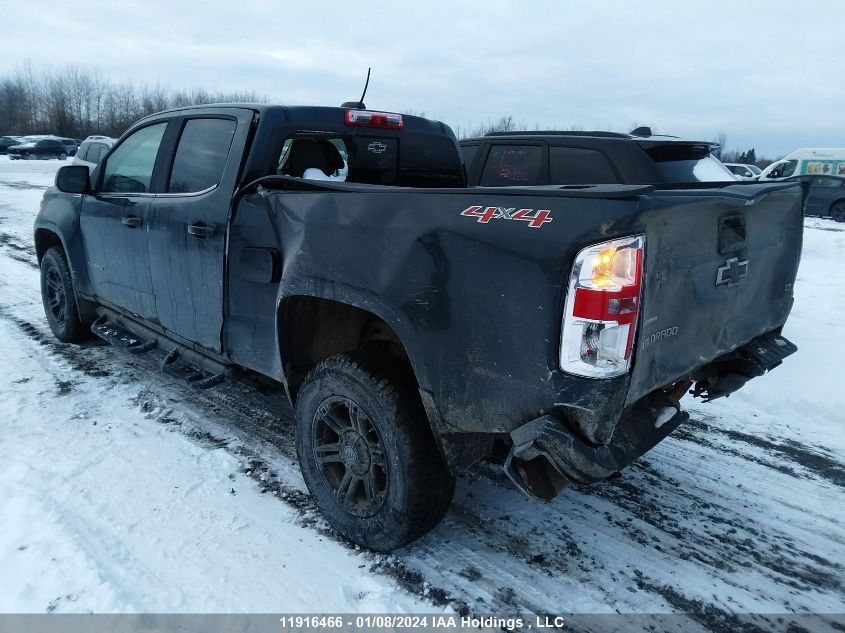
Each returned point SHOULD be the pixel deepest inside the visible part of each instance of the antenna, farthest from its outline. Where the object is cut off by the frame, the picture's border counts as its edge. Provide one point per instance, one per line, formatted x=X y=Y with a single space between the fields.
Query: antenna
x=366 y=85
x=360 y=103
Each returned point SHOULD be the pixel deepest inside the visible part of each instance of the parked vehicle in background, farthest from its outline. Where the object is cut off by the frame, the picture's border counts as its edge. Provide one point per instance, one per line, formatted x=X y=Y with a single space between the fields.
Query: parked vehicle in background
x=745 y=172
x=516 y=159
x=412 y=320
x=92 y=150
x=70 y=145
x=826 y=196
x=820 y=161
x=38 y=148
x=8 y=141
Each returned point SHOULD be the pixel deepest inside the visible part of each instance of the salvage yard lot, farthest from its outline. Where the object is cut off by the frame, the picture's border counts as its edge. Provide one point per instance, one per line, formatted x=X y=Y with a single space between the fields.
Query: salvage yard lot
x=122 y=489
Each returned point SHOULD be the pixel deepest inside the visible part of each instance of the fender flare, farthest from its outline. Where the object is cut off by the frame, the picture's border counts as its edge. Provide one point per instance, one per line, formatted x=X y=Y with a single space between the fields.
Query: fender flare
x=356 y=298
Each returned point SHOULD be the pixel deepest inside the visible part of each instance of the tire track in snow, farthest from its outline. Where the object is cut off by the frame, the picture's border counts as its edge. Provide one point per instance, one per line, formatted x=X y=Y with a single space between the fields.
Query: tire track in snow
x=253 y=465
x=545 y=553
x=817 y=460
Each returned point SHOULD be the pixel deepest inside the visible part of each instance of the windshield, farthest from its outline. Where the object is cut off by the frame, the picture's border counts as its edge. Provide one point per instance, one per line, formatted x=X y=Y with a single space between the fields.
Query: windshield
x=679 y=162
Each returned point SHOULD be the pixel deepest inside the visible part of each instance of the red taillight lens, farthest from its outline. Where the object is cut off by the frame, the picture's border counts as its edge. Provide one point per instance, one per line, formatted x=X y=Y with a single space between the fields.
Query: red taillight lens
x=602 y=306
x=365 y=118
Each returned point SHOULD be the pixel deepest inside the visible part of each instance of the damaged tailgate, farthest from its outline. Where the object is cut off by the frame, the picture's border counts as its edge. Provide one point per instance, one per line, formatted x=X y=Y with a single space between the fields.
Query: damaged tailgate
x=719 y=272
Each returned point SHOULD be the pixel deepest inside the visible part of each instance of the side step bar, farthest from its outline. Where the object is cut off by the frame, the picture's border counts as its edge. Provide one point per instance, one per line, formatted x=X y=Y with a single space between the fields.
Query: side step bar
x=120 y=337
x=179 y=361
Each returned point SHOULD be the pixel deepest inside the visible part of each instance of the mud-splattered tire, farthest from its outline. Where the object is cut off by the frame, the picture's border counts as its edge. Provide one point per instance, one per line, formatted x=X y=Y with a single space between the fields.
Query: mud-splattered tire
x=59 y=298
x=367 y=453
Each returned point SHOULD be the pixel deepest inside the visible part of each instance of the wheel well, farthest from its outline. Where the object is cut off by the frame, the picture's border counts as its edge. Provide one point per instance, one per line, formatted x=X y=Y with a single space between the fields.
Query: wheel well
x=312 y=329
x=45 y=240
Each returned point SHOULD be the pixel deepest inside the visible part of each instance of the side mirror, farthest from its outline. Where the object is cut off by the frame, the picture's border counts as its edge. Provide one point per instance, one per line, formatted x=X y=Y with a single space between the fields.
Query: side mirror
x=73 y=179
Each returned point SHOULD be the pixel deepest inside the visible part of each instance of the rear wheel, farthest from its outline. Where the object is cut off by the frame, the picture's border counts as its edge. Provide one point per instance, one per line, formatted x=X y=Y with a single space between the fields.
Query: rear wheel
x=29 y=156
x=59 y=298
x=63 y=156
x=837 y=211
x=367 y=453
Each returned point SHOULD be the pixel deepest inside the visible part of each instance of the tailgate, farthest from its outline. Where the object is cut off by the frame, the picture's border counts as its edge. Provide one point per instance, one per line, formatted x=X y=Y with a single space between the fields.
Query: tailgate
x=719 y=271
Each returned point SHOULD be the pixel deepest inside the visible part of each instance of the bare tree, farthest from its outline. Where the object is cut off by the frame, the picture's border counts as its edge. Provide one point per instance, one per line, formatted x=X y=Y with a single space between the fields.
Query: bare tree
x=75 y=102
x=721 y=142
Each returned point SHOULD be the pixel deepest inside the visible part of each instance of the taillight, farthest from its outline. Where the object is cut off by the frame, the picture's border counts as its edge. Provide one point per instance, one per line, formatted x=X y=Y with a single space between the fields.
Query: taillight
x=365 y=118
x=602 y=306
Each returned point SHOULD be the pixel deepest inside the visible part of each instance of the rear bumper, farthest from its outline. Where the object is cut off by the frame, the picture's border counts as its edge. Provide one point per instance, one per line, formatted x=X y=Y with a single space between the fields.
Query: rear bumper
x=546 y=455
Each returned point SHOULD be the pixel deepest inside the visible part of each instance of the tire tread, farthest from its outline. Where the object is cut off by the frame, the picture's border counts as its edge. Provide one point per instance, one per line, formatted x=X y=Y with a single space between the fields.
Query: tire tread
x=434 y=484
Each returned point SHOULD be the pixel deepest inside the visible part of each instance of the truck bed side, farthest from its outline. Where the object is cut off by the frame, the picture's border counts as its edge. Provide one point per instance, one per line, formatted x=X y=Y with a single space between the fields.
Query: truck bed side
x=477 y=303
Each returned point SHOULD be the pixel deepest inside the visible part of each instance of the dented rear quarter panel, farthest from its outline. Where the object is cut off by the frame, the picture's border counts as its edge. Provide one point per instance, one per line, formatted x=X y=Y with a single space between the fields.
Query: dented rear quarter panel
x=478 y=305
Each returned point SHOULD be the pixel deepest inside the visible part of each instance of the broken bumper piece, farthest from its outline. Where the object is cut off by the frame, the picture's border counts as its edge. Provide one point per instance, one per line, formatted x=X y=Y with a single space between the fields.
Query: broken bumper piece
x=546 y=456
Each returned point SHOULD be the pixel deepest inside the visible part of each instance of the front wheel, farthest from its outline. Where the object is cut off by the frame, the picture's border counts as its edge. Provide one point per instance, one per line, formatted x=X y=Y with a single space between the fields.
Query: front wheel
x=367 y=453
x=62 y=156
x=59 y=298
x=837 y=211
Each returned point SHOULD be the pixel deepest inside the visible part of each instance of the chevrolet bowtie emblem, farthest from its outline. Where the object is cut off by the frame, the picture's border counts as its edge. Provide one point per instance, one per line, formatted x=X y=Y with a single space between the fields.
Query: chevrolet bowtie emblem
x=732 y=272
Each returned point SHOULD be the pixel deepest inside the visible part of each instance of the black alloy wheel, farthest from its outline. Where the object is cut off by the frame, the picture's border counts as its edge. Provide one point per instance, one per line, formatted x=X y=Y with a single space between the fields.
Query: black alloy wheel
x=56 y=299
x=367 y=453
x=350 y=455
x=59 y=298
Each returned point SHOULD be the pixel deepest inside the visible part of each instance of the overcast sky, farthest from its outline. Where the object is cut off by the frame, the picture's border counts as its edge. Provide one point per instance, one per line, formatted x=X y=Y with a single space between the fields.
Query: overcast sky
x=770 y=74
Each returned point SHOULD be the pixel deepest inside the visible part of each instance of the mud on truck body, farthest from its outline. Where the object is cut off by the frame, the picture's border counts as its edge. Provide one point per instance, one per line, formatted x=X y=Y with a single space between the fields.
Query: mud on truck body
x=414 y=321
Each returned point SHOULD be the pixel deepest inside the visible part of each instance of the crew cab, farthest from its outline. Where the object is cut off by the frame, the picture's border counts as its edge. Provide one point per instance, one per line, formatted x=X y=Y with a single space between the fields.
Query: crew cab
x=414 y=321
x=508 y=159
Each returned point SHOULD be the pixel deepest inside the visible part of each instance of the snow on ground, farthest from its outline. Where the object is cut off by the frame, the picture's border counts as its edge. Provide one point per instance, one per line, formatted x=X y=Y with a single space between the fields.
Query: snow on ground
x=122 y=489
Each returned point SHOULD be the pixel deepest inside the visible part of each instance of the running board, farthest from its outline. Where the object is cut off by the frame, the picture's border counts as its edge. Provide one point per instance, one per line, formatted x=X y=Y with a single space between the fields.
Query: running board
x=179 y=361
x=174 y=365
x=120 y=337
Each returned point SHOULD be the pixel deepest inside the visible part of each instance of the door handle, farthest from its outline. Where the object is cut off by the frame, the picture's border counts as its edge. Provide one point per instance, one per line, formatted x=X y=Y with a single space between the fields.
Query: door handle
x=200 y=230
x=132 y=222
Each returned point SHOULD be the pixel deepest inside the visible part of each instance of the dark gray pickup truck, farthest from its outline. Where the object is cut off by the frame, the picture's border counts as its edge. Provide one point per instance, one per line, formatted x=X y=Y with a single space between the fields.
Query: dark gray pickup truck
x=414 y=321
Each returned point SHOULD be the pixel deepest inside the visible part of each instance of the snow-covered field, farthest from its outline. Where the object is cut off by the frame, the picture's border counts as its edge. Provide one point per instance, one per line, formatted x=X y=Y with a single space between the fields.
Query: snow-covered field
x=122 y=489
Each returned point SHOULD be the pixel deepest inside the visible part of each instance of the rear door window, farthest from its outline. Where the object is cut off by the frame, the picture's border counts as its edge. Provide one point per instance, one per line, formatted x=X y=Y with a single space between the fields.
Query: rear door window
x=513 y=165
x=576 y=166
x=201 y=155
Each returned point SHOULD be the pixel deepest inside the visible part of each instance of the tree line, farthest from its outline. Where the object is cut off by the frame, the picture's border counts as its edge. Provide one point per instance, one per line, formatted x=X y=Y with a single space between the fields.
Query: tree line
x=76 y=103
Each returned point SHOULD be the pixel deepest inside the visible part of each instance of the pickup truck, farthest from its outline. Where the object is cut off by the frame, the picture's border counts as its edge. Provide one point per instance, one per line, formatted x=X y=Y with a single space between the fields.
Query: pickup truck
x=414 y=321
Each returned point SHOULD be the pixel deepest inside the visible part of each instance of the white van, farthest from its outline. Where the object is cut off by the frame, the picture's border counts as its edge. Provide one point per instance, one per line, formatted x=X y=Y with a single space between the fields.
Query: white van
x=819 y=161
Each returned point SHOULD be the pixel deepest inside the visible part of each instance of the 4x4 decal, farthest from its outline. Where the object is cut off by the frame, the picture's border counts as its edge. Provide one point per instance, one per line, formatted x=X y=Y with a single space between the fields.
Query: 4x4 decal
x=535 y=219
